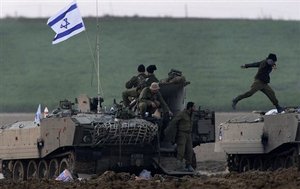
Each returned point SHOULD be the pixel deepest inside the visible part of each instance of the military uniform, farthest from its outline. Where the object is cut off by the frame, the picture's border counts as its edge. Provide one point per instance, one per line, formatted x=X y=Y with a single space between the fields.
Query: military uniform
x=183 y=122
x=147 y=97
x=135 y=81
x=134 y=88
x=262 y=78
x=150 y=79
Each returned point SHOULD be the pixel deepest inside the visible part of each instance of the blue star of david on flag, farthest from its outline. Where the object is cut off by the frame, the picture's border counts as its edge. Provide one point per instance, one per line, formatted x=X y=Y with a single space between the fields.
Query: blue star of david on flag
x=66 y=23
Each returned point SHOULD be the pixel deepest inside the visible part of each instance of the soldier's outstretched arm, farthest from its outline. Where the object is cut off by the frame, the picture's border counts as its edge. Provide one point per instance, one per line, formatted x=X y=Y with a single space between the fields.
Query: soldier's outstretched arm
x=252 y=65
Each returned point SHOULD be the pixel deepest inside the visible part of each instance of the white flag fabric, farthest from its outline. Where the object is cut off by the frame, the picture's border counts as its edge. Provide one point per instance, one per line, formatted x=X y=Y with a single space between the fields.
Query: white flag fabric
x=66 y=23
x=38 y=116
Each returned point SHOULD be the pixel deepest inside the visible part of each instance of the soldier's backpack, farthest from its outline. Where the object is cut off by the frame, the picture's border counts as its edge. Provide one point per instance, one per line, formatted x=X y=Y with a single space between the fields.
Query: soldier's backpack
x=142 y=82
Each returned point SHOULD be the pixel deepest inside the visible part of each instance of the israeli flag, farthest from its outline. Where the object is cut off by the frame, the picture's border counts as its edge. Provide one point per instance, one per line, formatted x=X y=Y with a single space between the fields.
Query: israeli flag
x=66 y=23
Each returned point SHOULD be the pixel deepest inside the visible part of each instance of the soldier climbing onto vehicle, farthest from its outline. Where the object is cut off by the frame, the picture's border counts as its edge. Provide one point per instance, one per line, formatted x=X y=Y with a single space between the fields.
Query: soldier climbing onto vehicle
x=150 y=100
x=134 y=85
x=262 y=78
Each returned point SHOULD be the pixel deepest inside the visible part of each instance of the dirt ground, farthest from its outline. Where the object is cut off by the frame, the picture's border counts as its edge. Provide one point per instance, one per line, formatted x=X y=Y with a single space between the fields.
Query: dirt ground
x=281 y=179
x=211 y=173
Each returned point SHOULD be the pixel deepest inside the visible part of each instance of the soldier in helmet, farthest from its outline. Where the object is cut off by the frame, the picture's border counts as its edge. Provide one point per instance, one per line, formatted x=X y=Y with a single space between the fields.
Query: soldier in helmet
x=150 y=99
x=134 y=85
x=262 y=78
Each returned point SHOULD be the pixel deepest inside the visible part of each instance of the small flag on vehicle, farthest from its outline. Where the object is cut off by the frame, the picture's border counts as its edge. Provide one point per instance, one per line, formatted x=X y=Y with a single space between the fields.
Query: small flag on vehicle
x=46 y=112
x=38 y=116
x=66 y=23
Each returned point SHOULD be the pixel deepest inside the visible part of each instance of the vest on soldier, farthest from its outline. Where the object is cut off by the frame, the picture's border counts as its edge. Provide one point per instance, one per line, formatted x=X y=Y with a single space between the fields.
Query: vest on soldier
x=141 y=81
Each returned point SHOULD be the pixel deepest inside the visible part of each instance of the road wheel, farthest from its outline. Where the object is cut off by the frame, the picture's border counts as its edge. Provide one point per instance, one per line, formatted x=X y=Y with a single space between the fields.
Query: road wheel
x=32 y=170
x=258 y=164
x=64 y=164
x=71 y=161
x=233 y=162
x=292 y=159
x=53 y=168
x=244 y=164
x=43 y=169
x=289 y=162
x=278 y=163
x=7 y=169
x=18 y=171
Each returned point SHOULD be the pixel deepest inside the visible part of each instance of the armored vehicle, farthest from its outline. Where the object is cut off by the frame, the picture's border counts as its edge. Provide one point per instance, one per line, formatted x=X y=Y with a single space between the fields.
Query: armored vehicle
x=260 y=141
x=79 y=138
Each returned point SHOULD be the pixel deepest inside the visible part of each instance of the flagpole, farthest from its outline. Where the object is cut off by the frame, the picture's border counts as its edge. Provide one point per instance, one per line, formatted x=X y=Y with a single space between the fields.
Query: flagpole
x=98 y=60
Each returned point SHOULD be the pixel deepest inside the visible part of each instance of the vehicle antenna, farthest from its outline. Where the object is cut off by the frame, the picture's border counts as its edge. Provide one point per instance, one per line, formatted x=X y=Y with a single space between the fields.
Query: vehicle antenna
x=98 y=59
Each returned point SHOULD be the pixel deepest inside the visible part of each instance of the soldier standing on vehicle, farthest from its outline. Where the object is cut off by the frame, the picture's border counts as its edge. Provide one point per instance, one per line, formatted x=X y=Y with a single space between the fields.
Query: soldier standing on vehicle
x=183 y=123
x=150 y=99
x=262 y=78
x=134 y=85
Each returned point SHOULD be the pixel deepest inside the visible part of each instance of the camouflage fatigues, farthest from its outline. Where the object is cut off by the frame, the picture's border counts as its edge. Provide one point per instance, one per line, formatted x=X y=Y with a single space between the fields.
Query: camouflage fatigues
x=133 y=88
x=150 y=79
x=147 y=97
x=135 y=80
x=183 y=123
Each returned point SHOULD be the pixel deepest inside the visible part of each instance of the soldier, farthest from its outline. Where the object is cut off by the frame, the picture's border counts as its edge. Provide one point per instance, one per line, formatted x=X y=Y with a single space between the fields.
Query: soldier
x=134 y=85
x=183 y=123
x=150 y=75
x=150 y=99
x=262 y=78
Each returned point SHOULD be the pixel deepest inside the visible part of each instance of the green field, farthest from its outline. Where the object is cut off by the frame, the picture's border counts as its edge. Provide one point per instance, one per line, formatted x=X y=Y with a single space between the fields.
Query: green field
x=209 y=52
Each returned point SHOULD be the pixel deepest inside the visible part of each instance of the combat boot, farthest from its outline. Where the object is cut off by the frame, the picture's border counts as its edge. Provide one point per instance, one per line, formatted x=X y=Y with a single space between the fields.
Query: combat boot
x=234 y=102
x=189 y=168
x=279 y=109
x=180 y=165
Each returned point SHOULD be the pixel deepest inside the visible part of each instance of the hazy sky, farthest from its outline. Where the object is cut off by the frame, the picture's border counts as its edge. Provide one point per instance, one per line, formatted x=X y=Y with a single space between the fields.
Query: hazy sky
x=276 y=9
